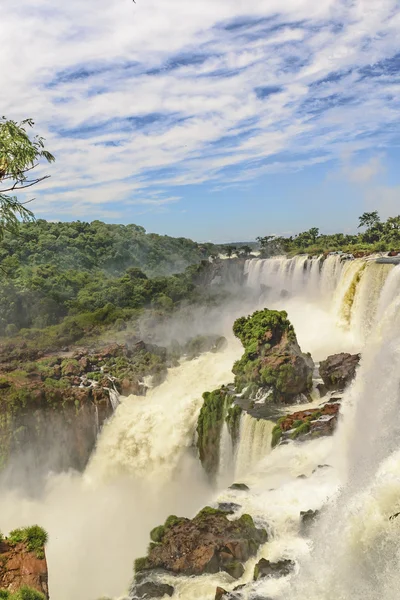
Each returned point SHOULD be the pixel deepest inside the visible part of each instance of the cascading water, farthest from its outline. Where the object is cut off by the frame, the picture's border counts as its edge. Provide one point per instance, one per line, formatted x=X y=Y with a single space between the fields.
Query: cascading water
x=145 y=466
x=255 y=437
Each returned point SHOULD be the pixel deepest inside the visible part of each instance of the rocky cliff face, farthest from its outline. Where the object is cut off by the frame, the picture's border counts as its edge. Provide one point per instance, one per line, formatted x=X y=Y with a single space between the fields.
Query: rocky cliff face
x=53 y=406
x=23 y=564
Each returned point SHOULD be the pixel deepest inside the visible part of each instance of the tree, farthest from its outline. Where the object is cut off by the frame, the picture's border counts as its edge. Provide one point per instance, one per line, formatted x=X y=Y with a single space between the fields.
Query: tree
x=19 y=156
x=230 y=250
x=245 y=250
x=369 y=219
x=314 y=233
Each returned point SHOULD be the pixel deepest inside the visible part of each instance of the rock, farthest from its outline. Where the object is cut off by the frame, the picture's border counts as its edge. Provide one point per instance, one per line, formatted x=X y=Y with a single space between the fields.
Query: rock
x=266 y=568
x=338 y=370
x=209 y=543
x=307 y=518
x=220 y=593
x=129 y=386
x=70 y=368
x=302 y=476
x=241 y=487
x=322 y=389
x=273 y=359
x=19 y=567
x=306 y=424
x=228 y=507
x=152 y=589
x=395 y=516
x=84 y=364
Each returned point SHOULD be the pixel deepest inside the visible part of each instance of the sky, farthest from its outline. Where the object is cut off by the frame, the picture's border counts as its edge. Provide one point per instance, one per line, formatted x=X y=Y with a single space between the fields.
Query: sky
x=218 y=120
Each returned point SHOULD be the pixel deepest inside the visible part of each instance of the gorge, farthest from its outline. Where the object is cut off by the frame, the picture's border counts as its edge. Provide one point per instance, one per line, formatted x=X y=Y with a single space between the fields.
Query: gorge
x=145 y=465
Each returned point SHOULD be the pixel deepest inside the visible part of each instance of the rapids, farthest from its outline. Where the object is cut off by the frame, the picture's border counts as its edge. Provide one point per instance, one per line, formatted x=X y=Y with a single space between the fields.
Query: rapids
x=145 y=465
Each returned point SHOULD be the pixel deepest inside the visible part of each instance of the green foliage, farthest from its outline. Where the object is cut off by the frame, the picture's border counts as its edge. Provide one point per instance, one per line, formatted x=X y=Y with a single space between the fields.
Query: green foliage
x=262 y=326
x=26 y=593
x=377 y=237
x=246 y=521
x=19 y=156
x=208 y=511
x=157 y=534
x=171 y=521
x=301 y=430
x=276 y=435
x=83 y=276
x=140 y=564
x=209 y=426
x=233 y=422
x=34 y=537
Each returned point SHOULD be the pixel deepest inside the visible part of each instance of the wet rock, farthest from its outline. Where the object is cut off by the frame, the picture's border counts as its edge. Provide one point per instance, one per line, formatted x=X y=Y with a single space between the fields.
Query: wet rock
x=220 y=593
x=266 y=568
x=322 y=389
x=395 y=516
x=152 y=589
x=242 y=487
x=209 y=543
x=302 y=476
x=228 y=507
x=307 y=518
x=307 y=424
x=338 y=370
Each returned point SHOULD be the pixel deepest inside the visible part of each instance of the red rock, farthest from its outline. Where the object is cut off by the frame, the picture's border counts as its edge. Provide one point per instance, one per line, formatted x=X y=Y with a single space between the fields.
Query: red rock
x=19 y=567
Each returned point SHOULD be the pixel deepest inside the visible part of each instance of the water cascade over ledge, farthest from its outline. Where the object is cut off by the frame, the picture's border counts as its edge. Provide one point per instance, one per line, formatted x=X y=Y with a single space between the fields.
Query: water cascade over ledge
x=146 y=467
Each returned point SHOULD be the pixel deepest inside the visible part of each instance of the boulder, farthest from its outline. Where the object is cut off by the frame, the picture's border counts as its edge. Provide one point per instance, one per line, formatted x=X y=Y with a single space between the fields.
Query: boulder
x=241 y=487
x=209 y=543
x=339 y=370
x=228 y=507
x=266 y=568
x=152 y=589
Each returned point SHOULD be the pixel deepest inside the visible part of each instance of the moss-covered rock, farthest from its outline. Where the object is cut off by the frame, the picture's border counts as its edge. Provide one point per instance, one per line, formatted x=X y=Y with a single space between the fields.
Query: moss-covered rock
x=209 y=426
x=206 y=544
x=272 y=357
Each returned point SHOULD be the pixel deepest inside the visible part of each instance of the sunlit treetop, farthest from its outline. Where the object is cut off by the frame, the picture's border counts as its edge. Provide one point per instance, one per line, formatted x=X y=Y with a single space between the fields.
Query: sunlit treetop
x=20 y=155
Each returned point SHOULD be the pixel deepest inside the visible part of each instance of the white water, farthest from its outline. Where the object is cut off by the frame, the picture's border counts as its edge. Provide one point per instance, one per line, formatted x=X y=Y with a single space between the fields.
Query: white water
x=145 y=467
x=254 y=443
x=143 y=470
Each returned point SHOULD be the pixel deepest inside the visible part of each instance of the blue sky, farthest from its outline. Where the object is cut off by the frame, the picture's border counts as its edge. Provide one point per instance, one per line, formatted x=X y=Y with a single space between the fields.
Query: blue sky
x=218 y=120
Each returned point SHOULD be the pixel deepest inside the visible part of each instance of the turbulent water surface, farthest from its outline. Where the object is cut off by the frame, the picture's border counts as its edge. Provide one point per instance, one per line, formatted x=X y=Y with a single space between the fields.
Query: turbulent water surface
x=145 y=465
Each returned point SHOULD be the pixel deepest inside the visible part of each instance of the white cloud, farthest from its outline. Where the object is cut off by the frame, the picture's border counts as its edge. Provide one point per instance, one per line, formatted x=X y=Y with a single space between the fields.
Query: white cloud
x=209 y=115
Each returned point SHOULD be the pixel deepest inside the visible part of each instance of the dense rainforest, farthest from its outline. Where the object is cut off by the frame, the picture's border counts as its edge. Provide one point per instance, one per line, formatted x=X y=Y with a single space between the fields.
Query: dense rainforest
x=68 y=276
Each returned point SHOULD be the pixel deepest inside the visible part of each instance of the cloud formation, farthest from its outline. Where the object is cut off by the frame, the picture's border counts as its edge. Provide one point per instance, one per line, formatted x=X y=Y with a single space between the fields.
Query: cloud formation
x=137 y=100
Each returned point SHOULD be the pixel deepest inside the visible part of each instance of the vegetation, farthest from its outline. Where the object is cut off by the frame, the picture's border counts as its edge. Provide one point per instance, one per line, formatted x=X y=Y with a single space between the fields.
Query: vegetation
x=19 y=156
x=78 y=276
x=24 y=593
x=376 y=236
x=34 y=537
x=209 y=427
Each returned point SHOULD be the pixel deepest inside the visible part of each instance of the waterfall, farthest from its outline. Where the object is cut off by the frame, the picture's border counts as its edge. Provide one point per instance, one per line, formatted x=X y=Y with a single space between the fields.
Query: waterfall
x=148 y=436
x=255 y=437
x=114 y=398
x=360 y=557
x=226 y=458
